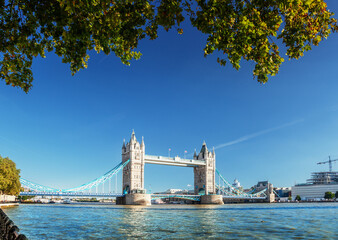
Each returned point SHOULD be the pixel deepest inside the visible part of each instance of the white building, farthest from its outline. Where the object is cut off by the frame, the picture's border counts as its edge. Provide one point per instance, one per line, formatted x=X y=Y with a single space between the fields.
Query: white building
x=316 y=186
x=171 y=191
x=312 y=191
x=236 y=184
x=7 y=198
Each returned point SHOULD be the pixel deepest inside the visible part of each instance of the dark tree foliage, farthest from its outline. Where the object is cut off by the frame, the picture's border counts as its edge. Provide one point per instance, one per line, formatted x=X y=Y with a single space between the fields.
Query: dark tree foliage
x=298 y=198
x=9 y=177
x=329 y=195
x=238 y=29
x=336 y=195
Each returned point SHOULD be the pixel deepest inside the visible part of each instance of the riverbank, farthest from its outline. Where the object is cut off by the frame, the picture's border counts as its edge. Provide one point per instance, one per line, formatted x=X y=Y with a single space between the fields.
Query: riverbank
x=6 y=205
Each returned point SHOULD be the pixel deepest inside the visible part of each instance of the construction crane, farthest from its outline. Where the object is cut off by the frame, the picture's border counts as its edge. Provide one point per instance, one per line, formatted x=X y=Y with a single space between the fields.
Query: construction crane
x=329 y=162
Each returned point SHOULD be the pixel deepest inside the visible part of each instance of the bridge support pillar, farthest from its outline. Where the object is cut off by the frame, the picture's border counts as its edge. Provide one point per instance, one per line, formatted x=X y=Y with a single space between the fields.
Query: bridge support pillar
x=270 y=195
x=134 y=199
x=212 y=199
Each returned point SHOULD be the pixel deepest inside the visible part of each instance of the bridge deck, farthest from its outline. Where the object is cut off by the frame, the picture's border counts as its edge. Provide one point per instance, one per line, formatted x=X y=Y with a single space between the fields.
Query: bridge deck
x=71 y=194
x=109 y=195
x=176 y=161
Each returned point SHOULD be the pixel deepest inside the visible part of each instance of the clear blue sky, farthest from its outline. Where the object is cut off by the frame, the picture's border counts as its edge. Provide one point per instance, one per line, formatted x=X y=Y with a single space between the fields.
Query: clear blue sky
x=69 y=130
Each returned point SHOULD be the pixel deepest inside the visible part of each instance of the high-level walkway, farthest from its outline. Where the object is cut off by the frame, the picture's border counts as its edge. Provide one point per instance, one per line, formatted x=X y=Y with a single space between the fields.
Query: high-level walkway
x=173 y=161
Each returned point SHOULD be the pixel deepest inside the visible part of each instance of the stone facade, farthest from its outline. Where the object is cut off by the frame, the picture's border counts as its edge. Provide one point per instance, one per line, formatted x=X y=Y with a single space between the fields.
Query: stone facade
x=204 y=176
x=270 y=194
x=138 y=199
x=212 y=199
x=133 y=172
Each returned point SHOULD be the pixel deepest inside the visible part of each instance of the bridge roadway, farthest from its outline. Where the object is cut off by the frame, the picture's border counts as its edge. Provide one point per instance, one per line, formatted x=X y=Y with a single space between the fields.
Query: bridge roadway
x=111 y=195
x=173 y=161
x=107 y=195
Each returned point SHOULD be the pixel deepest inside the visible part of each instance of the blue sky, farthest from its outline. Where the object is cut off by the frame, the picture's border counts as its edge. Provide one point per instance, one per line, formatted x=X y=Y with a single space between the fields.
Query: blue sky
x=69 y=130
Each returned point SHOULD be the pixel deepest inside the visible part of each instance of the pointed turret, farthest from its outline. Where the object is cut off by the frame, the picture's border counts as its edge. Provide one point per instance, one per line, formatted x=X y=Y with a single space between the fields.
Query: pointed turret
x=195 y=155
x=124 y=144
x=142 y=143
x=133 y=138
x=213 y=151
x=204 y=148
x=204 y=151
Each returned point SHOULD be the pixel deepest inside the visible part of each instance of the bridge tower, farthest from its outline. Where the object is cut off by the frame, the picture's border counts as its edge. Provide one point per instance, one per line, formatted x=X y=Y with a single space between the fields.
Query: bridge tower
x=204 y=177
x=133 y=173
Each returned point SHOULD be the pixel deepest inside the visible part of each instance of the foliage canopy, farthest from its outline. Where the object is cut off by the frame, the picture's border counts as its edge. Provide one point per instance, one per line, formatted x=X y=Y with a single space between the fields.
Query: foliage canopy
x=238 y=29
x=298 y=198
x=329 y=195
x=9 y=177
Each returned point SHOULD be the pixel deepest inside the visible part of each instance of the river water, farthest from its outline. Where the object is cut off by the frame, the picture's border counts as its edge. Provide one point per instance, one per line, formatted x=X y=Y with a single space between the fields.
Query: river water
x=233 y=221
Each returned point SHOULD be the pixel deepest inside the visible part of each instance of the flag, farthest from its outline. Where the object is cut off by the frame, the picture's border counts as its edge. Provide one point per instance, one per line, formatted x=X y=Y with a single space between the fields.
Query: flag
x=169 y=149
x=185 y=151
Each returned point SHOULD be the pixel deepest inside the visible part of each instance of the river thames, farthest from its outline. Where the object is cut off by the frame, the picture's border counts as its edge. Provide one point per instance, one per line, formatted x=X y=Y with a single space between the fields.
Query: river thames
x=233 y=221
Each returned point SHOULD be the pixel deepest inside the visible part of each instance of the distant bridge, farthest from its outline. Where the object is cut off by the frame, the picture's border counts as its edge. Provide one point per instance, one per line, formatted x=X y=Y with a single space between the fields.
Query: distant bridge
x=132 y=166
x=224 y=187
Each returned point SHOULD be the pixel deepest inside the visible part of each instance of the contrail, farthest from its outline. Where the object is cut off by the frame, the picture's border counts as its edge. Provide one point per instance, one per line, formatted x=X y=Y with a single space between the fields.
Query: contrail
x=247 y=137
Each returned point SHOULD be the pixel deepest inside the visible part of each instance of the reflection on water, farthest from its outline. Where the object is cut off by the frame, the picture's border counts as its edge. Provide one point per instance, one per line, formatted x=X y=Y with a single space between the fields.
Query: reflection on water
x=247 y=221
x=133 y=222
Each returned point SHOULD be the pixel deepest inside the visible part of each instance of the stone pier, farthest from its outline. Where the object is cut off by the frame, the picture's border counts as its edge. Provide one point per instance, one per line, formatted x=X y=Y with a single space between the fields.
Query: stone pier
x=212 y=199
x=138 y=199
x=134 y=199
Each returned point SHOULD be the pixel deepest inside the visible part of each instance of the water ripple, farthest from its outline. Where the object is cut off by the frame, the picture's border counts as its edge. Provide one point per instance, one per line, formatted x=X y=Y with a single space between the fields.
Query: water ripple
x=244 y=221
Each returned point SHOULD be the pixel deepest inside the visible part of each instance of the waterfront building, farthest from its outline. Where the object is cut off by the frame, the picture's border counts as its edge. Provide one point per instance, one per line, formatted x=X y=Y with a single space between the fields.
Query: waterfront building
x=283 y=193
x=323 y=178
x=316 y=186
x=236 y=184
x=172 y=190
x=177 y=191
x=313 y=191
x=262 y=185
x=7 y=198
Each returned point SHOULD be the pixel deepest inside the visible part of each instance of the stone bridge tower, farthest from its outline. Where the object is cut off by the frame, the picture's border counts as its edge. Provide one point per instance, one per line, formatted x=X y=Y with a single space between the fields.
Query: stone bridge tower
x=133 y=172
x=204 y=176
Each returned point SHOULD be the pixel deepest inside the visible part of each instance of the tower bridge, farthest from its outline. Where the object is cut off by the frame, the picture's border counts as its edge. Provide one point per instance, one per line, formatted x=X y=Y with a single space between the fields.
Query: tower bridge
x=206 y=191
x=204 y=165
